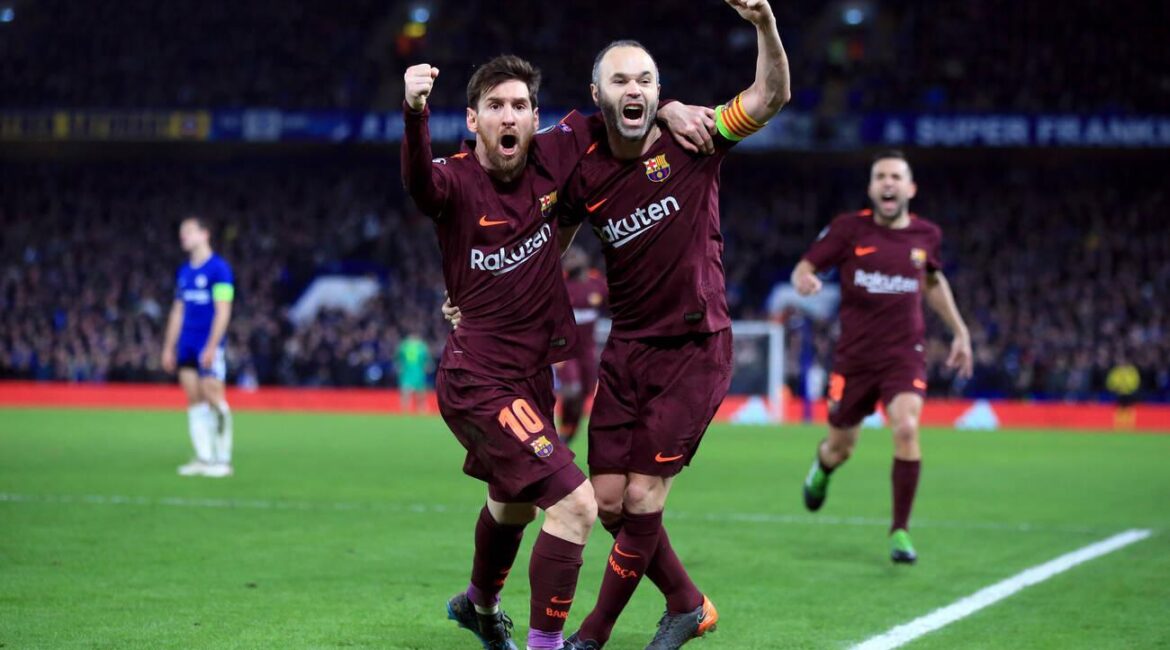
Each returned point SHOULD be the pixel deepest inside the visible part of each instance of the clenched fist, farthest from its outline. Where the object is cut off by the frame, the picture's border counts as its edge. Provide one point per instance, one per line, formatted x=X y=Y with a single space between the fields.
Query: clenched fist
x=419 y=79
x=757 y=12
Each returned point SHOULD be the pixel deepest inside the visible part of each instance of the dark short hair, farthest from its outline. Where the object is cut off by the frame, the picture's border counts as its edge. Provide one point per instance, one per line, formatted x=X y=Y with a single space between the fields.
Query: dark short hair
x=891 y=154
x=625 y=42
x=506 y=67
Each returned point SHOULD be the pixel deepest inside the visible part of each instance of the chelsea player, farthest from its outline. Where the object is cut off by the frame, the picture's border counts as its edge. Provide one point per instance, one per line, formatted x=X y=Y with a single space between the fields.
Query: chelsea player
x=204 y=290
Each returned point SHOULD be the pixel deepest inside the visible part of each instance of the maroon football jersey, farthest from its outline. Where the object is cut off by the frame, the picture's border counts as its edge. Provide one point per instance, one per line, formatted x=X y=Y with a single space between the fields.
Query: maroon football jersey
x=588 y=295
x=501 y=262
x=658 y=221
x=883 y=272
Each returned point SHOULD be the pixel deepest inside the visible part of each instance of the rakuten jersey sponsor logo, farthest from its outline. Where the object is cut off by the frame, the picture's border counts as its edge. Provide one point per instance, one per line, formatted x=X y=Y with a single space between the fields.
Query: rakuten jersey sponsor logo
x=878 y=282
x=619 y=232
x=506 y=259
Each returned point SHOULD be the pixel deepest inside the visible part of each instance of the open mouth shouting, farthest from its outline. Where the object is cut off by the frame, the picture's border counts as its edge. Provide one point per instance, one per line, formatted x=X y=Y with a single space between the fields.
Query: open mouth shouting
x=888 y=202
x=509 y=144
x=633 y=114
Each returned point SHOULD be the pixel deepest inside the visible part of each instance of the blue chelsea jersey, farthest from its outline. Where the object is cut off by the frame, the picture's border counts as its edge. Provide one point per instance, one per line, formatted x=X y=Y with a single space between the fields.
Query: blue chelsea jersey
x=199 y=288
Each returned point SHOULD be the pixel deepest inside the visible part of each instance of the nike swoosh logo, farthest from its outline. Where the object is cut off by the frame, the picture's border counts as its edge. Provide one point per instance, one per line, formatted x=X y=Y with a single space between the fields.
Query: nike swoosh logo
x=593 y=208
x=862 y=251
x=484 y=221
x=618 y=550
x=666 y=459
x=560 y=601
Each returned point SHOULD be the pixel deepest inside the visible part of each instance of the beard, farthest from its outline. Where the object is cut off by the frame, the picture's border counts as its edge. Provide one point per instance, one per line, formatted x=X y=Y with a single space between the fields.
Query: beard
x=612 y=114
x=507 y=166
x=504 y=165
x=901 y=207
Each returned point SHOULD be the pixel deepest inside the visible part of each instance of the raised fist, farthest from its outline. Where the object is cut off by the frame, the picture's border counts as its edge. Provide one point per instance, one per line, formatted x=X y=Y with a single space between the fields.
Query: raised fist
x=418 y=80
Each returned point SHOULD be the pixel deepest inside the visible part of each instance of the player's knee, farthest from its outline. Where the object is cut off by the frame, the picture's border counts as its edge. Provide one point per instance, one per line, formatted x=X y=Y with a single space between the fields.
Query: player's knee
x=906 y=430
x=580 y=505
x=645 y=496
x=609 y=506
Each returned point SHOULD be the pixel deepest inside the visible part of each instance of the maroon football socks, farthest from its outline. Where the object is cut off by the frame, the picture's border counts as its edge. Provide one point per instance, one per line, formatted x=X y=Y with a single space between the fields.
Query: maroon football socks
x=905 y=479
x=552 y=574
x=496 y=545
x=667 y=573
x=632 y=551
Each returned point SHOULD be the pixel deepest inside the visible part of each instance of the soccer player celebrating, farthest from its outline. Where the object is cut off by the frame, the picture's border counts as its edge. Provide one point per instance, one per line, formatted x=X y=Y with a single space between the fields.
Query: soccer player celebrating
x=195 y=346
x=889 y=261
x=667 y=364
x=577 y=377
x=492 y=204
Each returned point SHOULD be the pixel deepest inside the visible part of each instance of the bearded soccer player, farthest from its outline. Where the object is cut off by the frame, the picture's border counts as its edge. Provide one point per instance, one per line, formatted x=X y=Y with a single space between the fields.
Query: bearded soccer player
x=889 y=262
x=194 y=345
x=577 y=377
x=667 y=363
x=492 y=204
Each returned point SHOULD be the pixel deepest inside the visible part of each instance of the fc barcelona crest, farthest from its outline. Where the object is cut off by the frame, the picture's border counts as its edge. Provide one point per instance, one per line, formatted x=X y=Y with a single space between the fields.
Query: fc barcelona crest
x=657 y=169
x=542 y=447
x=918 y=257
x=547 y=202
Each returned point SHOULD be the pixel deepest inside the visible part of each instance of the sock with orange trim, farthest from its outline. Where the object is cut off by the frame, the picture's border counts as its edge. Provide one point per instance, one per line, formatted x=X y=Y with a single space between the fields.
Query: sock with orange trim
x=631 y=554
x=496 y=546
x=667 y=573
x=552 y=573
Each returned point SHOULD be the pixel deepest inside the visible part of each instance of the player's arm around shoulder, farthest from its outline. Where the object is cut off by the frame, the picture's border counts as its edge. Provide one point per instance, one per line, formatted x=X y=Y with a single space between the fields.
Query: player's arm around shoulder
x=749 y=111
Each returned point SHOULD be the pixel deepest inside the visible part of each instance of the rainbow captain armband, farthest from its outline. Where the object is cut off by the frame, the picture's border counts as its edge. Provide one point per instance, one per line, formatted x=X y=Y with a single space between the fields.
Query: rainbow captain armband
x=222 y=292
x=733 y=122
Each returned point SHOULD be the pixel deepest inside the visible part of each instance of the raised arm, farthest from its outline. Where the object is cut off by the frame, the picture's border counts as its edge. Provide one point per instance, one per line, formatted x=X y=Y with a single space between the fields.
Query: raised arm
x=428 y=186
x=942 y=301
x=772 y=88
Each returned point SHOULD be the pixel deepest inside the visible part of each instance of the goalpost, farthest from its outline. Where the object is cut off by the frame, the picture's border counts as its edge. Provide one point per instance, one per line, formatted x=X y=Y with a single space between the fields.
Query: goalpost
x=757 y=382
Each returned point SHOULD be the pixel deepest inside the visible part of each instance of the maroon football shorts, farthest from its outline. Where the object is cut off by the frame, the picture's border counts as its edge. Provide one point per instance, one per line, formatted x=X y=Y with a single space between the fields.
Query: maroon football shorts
x=506 y=426
x=855 y=395
x=654 y=401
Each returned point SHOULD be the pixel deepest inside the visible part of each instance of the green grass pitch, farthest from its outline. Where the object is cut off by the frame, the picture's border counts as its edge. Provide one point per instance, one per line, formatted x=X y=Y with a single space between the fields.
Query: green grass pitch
x=343 y=531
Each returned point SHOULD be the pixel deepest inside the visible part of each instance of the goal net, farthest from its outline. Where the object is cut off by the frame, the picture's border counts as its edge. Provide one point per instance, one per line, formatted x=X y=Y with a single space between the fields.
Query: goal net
x=757 y=382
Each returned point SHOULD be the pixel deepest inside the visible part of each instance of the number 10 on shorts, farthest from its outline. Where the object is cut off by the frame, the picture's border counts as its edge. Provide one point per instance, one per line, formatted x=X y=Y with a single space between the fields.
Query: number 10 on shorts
x=520 y=419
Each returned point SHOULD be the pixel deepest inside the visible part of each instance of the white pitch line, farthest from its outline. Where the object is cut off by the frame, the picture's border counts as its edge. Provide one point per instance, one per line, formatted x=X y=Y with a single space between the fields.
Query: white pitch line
x=438 y=508
x=960 y=609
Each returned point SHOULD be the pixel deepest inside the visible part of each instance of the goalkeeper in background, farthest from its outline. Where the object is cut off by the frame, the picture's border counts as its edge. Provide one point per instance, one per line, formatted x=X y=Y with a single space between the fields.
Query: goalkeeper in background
x=412 y=361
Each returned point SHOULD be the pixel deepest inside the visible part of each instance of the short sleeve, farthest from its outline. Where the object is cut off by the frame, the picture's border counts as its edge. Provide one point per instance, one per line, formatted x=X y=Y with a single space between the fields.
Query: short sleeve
x=178 y=284
x=831 y=246
x=934 y=262
x=223 y=287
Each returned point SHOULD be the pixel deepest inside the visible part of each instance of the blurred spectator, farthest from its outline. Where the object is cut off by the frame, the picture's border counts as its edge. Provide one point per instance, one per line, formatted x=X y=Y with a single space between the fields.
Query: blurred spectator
x=975 y=55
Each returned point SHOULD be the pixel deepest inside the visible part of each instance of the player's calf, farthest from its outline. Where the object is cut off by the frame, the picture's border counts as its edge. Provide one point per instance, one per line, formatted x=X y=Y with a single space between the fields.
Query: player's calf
x=556 y=564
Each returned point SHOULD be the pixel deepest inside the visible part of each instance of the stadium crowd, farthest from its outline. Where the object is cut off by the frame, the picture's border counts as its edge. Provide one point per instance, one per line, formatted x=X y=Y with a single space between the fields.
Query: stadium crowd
x=1060 y=270
x=975 y=55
